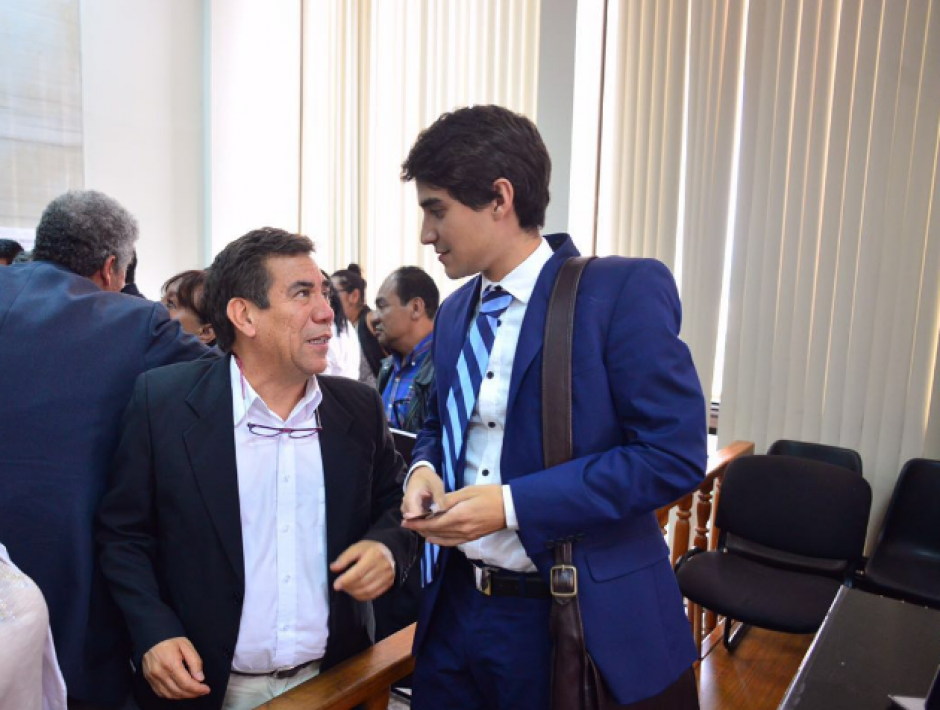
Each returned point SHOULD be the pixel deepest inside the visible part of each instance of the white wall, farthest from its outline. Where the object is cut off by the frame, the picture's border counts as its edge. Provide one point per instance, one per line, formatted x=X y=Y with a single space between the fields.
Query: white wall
x=254 y=117
x=556 y=101
x=143 y=91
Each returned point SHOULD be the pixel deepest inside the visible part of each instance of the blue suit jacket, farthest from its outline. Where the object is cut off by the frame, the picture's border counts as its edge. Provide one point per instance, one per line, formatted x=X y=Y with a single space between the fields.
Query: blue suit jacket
x=639 y=443
x=69 y=355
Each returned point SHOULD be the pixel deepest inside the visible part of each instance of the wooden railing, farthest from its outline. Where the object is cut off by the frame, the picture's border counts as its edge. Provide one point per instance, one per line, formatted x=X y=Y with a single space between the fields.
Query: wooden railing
x=367 y=678
x=705 y=535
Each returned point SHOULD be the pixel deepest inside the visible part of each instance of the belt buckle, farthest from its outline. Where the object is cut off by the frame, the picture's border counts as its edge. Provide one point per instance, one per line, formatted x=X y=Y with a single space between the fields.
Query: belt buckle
x=484 y=579
x=564 y=581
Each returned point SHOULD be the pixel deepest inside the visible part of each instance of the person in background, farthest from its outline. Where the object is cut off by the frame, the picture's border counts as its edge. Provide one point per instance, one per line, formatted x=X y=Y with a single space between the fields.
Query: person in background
x=71 y=347
x=130 y=283
x=253 y=507
x=9 y=249
x=351 y=288
x=30 y=678
x=638 y=440
x=182 y=294
x=345 y=355
x=404 y=325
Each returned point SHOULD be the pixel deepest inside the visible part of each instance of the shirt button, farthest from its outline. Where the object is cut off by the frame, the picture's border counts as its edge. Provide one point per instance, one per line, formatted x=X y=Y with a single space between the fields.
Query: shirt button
x=499 y=321
x=490 y=375
x=285 y=528
x=497 y=288
x=485 y=472
x=286 y=479
x=491 y=425
x=286 y=578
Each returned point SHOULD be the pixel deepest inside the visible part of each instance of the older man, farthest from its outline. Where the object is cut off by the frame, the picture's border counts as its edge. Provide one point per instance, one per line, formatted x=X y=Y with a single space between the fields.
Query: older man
x=253 y=509
x=404 y=324
x=70 y=350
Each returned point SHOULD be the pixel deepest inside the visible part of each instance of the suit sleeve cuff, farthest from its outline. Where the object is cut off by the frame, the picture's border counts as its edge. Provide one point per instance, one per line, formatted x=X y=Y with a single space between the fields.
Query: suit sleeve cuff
x=509 y=509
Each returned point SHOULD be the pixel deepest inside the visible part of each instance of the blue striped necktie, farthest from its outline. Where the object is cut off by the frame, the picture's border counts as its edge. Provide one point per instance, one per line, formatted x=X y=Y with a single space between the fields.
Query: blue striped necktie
x=462 y=398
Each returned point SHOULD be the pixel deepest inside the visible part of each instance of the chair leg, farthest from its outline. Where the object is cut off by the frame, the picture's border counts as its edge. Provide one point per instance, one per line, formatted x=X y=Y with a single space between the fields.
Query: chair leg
x=732 y=639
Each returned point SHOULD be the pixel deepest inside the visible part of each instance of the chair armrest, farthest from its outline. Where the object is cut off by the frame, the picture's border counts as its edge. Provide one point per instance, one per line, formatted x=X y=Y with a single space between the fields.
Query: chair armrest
x=364 y=678
x=687 y=556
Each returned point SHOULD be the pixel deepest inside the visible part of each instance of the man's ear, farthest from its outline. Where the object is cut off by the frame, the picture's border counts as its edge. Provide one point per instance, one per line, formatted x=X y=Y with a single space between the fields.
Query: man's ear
x=107 y=276
x=240 y=312
x=502 y=204
x=416 y=307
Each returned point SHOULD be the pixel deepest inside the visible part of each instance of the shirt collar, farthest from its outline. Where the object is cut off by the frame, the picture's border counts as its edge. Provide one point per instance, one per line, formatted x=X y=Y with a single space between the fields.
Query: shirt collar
x=246 y=400
x=520 y=282
x=420 y=349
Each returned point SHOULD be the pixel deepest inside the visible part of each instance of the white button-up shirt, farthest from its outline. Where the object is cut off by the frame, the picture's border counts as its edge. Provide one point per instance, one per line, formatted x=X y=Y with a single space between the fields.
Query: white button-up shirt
x=283 y=515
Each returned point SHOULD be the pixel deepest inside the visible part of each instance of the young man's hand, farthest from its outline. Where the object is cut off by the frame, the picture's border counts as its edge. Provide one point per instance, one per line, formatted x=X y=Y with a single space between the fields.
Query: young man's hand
x=424 y=494
x=467 y=514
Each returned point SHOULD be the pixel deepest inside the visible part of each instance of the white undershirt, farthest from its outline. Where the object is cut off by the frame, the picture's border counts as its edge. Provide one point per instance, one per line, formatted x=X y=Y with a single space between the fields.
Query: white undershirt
x=283 y=515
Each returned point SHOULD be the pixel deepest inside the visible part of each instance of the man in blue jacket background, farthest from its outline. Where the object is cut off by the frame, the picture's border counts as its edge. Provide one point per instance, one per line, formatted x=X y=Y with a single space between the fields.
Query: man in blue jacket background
x=71 y=348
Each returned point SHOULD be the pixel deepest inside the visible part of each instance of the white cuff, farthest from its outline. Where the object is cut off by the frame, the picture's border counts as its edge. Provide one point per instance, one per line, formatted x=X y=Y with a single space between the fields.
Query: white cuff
x=411 y=470
x=509 y=509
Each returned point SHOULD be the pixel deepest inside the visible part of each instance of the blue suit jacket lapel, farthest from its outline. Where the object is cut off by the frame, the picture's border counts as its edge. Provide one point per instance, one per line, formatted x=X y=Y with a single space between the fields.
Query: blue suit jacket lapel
x=533 y=325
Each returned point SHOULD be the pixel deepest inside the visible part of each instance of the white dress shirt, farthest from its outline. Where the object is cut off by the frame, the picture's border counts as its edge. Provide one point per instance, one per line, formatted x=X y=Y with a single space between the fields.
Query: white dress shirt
x=344 y=354
x=283 y=515
x=485 y=430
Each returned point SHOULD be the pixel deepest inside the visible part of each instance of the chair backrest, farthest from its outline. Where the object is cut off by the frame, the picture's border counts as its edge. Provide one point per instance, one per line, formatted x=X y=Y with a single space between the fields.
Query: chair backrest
x=835 y=455
x=911 y=519
x=796 y=505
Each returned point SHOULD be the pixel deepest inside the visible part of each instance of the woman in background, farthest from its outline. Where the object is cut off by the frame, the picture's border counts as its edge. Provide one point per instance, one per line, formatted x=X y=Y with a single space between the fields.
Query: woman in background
x=352 y=294
x=182 y=296
x=344 y=356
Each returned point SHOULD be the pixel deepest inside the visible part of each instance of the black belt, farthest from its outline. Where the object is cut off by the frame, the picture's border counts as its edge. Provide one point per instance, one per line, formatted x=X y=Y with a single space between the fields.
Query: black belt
x=280 y=672
x=498 y=582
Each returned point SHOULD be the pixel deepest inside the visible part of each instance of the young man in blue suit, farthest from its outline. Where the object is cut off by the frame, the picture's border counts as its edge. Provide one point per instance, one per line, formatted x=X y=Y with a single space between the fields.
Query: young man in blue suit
x=639 y=441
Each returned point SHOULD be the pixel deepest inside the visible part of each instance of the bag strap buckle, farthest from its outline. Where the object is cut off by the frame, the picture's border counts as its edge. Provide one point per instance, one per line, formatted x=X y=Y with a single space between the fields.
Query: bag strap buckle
x=564 y=581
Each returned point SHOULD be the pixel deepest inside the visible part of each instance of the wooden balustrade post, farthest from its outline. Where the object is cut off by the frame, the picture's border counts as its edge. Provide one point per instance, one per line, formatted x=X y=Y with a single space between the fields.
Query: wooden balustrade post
x=680 y=535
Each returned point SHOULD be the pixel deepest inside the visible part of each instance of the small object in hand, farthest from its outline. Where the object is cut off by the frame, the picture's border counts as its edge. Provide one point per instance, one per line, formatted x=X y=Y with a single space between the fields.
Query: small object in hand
x=432 y=511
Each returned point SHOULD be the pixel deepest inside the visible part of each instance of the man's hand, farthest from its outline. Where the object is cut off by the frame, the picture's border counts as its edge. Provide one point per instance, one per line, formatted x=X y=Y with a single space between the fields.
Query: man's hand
x=469 y=513
x=174 y=670
x=369 y=570
x=425 y=488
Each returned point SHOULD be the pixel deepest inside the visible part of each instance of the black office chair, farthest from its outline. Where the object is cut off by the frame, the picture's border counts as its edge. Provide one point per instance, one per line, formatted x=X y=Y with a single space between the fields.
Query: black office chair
x=835 y=455
x=905 y=562
x=812 y=515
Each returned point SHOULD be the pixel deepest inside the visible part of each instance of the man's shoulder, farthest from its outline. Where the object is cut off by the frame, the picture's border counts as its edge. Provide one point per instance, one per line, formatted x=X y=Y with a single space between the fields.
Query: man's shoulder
x=347 y=390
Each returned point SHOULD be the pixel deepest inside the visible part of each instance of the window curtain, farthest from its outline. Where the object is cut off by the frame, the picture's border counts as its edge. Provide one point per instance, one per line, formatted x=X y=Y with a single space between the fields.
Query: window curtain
x=40 y=111
x=834 y=298
x=662 y=125
x=376 y=74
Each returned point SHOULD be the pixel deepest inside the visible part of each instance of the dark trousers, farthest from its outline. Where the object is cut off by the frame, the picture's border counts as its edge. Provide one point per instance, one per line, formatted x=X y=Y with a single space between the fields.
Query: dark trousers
x=494 y=653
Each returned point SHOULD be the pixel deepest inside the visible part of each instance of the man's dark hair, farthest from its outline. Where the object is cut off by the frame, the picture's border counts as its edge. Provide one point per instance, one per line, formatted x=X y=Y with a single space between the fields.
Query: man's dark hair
x=190 y=291
x=351 y=279
x=81 y=229
x=466 y=151
x=240 y=271
x=414 y=282
x=9 y=249
x=131 y=274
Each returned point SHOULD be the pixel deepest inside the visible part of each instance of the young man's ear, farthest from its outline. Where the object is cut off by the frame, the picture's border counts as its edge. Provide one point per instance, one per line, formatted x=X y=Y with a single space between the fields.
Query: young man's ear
x=503 y=202
x=239 y=311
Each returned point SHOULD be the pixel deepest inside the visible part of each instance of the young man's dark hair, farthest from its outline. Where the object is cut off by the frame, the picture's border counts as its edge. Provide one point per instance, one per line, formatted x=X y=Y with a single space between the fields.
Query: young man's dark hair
x=240 y=271
x=467 y=150
x=414 y=282
x=9 y=249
